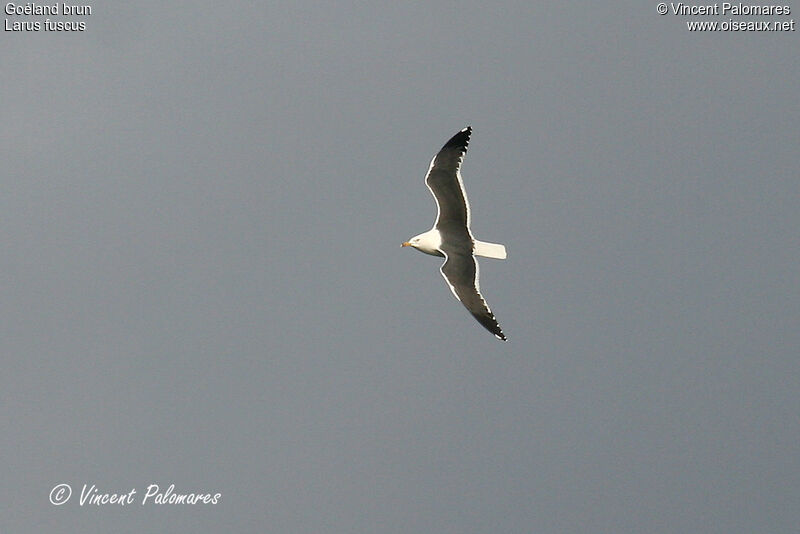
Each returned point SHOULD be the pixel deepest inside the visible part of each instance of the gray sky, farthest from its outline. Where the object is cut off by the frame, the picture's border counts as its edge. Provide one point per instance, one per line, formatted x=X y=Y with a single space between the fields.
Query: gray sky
x=202 y=281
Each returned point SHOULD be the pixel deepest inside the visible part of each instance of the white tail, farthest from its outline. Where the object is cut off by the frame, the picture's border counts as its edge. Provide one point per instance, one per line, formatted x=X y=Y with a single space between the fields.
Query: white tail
x=489 y=250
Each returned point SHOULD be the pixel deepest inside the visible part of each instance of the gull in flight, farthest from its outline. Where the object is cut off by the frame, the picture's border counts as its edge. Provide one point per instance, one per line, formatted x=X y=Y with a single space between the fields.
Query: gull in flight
x=451 y=236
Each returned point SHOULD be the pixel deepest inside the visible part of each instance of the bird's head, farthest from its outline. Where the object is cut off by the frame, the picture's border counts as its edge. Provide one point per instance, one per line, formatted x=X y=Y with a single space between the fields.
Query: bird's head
x=427 y=242
x=413 y=242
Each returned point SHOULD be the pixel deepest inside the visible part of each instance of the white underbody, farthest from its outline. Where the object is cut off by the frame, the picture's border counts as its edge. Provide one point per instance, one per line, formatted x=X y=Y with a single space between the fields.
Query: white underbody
x=430 y=242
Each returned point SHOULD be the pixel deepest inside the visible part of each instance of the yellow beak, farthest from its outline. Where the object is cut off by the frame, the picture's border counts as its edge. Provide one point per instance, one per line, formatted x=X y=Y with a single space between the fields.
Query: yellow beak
x=406 y=244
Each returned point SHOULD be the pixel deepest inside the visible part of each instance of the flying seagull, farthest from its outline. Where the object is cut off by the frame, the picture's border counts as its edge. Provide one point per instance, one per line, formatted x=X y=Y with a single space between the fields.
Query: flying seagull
x=451 y=237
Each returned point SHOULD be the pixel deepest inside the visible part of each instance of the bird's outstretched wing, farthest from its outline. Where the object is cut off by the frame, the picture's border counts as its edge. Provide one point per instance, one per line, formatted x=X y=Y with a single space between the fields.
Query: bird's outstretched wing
x=444 y=181
x=461 y=272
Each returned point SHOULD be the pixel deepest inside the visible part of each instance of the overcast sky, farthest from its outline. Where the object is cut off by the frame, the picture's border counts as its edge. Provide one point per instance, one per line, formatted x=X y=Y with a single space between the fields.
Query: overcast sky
x=202 y=281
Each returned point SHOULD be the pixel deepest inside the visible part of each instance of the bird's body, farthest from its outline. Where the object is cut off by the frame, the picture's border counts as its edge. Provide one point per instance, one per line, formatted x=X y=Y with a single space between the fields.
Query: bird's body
x=451 y=236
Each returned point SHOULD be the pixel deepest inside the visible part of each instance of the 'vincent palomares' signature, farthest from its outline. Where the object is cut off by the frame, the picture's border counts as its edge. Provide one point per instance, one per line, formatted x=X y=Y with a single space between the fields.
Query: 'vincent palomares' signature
x=727 y=8
x=92 y=495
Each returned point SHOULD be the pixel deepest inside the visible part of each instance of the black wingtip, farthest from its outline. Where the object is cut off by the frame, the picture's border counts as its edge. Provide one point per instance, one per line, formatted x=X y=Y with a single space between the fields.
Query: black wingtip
x=499 y=333
x=487 y=320
x=459 y=140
